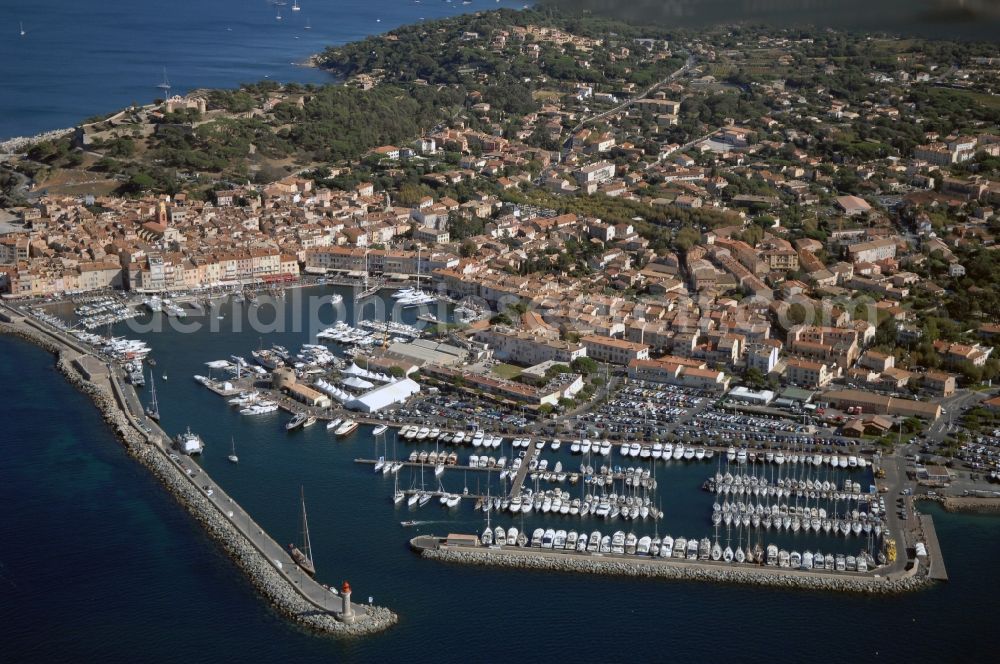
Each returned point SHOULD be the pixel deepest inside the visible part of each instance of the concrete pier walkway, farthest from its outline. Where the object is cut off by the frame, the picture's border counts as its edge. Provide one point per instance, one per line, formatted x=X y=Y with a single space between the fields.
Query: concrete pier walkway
x=424 y=542
x=522 y=472
x=936 y=559
x=127 y=402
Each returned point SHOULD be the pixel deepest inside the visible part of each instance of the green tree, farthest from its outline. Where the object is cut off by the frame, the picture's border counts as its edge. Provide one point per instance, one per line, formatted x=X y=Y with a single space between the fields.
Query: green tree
x=755 y=378
x=686 y=238
x=140 y=182
x=122 y=148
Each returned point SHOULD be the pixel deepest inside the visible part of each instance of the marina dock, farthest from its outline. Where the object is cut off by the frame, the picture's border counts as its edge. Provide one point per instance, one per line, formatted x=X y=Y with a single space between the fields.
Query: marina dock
x=430 y=466
x=218 y=388
x=571 y=477
x=424 y=542
x=937 y=569
x=321 y=598
x=522 y=472
x=310 y=589
x=223 y=517
x=439 y=494
x=467 y=550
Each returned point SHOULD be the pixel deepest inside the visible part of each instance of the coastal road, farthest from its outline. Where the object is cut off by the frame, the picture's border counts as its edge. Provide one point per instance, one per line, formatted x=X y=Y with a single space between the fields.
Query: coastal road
x=692 y=142
x=952 y=409
x=631 y=100
x=617 y=109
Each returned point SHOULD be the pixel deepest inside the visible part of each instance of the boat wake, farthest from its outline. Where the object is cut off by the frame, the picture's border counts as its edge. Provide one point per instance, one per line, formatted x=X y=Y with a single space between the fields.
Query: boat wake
x=411 y=524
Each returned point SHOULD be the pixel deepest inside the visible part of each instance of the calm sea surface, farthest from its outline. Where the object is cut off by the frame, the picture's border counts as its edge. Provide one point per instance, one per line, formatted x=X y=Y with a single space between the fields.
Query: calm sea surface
x=98 y=562
x=84 y=57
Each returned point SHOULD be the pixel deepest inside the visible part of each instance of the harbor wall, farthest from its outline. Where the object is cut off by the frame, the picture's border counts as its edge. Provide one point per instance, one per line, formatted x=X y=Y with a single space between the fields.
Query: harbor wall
x=971 y=504
x=274 y=587
x=537 y=559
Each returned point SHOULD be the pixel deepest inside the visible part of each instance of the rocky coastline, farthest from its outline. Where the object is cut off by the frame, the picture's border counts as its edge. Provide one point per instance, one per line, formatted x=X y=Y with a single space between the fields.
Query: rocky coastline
x=314 y=61
x=19 y=144
x=639 y=569
x=258 y=570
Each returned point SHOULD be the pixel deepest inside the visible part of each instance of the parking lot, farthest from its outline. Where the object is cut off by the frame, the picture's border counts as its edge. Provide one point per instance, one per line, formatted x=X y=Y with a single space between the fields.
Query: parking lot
x=737 y=427
x=655 y=412
x=452 y=411
x=982 y=455
x=640 y=411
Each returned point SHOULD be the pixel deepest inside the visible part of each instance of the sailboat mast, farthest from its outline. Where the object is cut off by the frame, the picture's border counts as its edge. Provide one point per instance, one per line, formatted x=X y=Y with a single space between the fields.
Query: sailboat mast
x=154 y=407
x=305 y=528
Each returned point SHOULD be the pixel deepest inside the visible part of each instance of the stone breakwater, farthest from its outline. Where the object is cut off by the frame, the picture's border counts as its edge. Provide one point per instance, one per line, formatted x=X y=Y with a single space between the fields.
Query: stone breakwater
x=258 y=570
x=680 y=572
x=970 y=504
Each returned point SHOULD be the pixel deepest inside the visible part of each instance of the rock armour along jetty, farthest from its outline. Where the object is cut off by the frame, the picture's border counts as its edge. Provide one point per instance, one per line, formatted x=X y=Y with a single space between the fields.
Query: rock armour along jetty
x=261 y=574
x=681 y=572
x=970 y=504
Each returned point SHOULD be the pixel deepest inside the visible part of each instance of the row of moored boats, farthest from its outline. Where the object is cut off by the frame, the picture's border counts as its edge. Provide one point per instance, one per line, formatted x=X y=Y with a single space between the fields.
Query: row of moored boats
x=629 y=544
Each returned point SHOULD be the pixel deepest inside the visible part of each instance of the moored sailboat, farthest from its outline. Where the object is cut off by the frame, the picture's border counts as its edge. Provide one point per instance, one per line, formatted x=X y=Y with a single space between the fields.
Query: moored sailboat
x=153 y=409
x=302 y=558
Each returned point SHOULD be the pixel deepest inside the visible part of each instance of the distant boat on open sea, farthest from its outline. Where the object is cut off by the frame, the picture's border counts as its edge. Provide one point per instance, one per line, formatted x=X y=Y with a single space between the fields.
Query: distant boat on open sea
x=165 y=85
x=82 y=59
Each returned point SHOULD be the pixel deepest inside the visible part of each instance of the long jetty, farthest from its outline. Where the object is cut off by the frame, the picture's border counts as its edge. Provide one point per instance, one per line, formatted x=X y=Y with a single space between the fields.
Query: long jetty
x=937 y=569
x=268 y=565
x=467 y=550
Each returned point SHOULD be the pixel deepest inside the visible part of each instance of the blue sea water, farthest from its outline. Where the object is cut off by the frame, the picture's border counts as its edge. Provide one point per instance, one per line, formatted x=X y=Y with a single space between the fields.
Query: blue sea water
x=98 y=563
x=85 y=57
